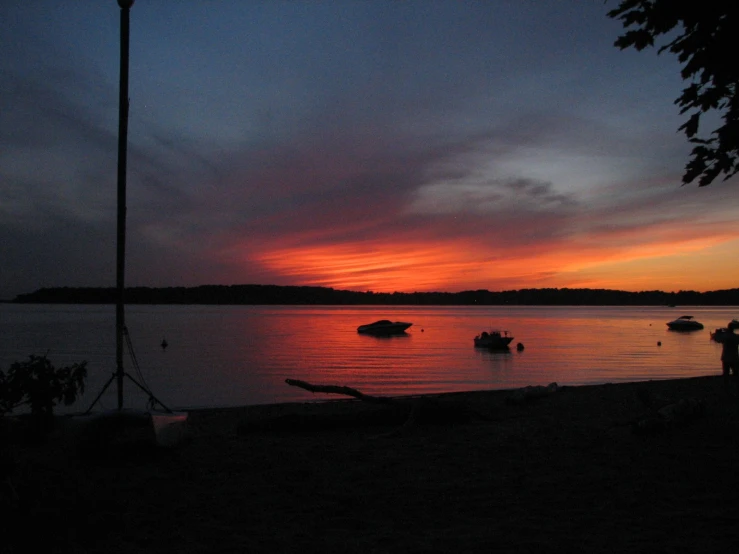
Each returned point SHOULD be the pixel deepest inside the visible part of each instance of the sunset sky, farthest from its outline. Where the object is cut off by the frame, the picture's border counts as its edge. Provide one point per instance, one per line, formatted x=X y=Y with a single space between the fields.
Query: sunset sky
x=381 y=145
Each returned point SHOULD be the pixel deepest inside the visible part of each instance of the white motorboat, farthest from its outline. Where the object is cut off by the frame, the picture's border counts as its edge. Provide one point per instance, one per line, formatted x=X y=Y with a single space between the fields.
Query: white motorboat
x=684 y=323
x=384 y=327
x=493 y=339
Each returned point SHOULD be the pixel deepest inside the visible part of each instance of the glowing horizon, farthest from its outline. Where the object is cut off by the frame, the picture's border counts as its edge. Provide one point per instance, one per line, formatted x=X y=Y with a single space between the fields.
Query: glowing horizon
x=453 y=268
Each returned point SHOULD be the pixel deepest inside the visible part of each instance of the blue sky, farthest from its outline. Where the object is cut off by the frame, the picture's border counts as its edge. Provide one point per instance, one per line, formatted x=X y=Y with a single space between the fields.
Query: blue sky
x=370 y=145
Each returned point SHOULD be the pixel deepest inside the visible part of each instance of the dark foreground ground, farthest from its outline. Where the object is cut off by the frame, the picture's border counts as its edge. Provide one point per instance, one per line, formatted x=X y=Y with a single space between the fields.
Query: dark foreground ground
x=562 y=473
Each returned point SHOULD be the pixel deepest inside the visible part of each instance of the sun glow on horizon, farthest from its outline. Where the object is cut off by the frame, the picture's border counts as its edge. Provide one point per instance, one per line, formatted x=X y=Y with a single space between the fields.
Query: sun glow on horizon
x=457 y=265
x=382 y=268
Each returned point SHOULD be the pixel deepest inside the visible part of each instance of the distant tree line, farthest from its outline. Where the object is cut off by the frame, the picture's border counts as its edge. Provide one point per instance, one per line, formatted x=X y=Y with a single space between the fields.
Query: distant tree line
x=296 y=295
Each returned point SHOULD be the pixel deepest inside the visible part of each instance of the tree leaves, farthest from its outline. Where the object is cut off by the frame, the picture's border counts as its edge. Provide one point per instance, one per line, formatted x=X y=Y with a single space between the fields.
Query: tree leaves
x=37 y=383
x=706 y=37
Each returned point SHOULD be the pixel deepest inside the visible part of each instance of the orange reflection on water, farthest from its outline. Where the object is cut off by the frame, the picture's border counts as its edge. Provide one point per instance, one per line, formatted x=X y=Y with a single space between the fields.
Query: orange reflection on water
x=236 y=355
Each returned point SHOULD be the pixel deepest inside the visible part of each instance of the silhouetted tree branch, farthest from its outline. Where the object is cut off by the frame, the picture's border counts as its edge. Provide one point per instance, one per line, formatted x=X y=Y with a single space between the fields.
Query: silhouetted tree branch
x=704 y=35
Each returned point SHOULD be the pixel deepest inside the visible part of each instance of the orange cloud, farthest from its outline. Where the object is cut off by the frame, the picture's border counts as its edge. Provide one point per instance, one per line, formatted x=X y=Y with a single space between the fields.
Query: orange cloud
x=464 y=265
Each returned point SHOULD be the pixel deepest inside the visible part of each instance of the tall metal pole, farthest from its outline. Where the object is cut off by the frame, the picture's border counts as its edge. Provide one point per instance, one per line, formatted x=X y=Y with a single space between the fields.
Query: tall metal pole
x=120 y=324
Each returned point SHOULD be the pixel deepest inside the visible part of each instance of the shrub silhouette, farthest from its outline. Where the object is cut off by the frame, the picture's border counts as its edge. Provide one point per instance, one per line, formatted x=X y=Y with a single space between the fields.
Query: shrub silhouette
x=41 y=386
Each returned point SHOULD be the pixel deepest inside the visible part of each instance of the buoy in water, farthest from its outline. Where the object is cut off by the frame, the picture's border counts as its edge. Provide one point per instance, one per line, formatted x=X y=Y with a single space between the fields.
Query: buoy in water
x=164 y=344
x=519 y=346
x=659 y=343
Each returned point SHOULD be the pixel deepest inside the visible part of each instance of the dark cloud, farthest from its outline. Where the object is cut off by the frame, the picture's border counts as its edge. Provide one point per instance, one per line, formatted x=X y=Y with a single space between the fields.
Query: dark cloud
x=36 y=114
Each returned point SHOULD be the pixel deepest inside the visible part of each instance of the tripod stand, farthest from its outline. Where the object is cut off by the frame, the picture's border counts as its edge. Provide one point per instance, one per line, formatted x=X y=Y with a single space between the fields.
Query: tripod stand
x=121 y=330
x=120 y=374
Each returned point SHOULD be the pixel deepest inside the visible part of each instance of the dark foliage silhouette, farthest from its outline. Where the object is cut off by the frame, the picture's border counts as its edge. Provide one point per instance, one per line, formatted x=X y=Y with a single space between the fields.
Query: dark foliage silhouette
x=704 y=35
x=41 y=386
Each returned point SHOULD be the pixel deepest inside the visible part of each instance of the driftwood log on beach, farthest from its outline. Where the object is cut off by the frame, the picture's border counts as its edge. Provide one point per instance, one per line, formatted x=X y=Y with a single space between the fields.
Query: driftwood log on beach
x=406 y=412
x=400 y=411
x=335 y=389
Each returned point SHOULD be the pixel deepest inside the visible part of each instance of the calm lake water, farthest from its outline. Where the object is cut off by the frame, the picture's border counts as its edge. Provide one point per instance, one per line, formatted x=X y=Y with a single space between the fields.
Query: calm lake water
x=239 y=355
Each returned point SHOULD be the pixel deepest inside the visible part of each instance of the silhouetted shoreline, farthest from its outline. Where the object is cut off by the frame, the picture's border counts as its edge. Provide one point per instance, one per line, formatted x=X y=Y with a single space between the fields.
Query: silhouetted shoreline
x=305 y=295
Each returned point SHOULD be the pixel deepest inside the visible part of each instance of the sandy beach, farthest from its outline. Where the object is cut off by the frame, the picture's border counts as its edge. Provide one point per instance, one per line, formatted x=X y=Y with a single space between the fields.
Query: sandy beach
x=566 y=472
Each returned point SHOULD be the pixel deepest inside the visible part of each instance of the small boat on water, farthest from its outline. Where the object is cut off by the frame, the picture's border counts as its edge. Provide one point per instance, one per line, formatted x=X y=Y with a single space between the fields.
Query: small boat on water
x=493 y=339
x=684 y=323
x=384 y=327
